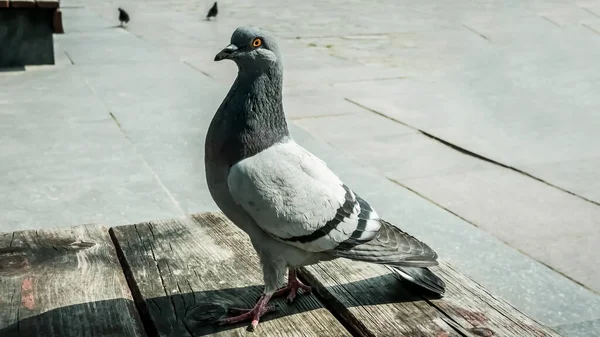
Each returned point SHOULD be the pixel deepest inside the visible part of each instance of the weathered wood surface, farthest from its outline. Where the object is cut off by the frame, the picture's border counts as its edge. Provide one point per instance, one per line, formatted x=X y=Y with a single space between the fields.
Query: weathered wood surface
x=373 y=302
x=186 y=272
x=64 y=282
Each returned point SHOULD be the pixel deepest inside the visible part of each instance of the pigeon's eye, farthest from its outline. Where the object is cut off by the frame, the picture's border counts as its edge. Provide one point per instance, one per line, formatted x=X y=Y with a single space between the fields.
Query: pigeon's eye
x=257 y=42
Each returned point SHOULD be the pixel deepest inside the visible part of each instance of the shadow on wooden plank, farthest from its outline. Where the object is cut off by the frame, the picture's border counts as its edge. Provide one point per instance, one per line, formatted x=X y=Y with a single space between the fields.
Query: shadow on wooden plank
x=76 y=319
x=198 y=312
x=64 y=282
x=201 y=310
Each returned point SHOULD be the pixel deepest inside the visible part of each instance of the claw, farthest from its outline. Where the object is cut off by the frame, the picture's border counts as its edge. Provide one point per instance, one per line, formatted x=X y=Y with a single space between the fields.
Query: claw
x=238 y=311
x=294 y=284
x=255 y=313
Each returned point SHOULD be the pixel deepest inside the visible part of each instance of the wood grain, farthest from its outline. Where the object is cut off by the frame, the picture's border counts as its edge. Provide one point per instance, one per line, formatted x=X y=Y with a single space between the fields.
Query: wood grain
x=475 y=309
x=186 y=272
x=372 y=302
x=64 y=282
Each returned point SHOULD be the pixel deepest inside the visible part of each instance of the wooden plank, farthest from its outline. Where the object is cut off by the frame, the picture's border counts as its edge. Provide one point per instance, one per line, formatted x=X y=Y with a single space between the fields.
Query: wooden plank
x=476 y=309
x=372 y=302
x=22 y=3
x=186 y=272
x=4 y=4
x=64 y=282
x=47 y=3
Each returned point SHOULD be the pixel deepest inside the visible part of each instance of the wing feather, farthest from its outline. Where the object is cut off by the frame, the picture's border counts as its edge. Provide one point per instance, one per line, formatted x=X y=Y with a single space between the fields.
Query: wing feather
x=293 y=196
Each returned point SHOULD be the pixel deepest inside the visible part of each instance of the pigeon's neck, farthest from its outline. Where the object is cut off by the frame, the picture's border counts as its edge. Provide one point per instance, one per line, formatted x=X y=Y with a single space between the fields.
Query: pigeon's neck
x=252 y=115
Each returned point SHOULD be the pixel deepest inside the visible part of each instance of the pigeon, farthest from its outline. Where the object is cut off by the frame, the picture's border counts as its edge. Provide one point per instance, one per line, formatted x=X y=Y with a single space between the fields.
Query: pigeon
x=212 y=12
x=295 y=210
x=123 y=16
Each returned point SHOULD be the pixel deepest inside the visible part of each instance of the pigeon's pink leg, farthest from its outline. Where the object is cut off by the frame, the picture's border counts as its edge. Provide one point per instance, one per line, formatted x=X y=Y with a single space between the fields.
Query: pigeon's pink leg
x=254 y=314
x=292 y=287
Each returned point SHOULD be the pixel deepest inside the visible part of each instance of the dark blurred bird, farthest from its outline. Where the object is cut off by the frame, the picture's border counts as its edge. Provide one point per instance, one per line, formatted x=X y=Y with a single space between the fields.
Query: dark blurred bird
x=123 y=16
x=212 y=12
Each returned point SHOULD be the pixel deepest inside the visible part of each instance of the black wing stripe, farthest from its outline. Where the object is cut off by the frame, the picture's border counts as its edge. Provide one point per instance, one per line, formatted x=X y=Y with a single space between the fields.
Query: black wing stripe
x=342 y=213
x=364 y=216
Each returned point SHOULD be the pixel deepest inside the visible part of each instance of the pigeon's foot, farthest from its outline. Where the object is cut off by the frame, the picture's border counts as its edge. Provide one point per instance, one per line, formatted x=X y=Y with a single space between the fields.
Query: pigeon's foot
x=254 y=314
x=294 y=284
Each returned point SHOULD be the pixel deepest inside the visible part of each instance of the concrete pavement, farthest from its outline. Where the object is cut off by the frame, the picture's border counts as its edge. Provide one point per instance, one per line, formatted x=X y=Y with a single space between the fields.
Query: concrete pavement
x=114 y=132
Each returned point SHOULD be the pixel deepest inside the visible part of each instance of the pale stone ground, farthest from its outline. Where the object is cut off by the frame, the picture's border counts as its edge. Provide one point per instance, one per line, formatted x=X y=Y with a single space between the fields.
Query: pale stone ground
x=512 y=82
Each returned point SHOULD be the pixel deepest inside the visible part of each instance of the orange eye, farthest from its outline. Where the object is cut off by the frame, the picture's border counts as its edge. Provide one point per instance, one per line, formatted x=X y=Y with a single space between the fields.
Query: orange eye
x=257 y=42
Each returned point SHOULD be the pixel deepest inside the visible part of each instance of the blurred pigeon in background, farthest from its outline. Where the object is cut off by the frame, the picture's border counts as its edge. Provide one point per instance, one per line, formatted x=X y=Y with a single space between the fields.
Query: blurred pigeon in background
x=295 y=210
x=212 y=12
x=123 y=16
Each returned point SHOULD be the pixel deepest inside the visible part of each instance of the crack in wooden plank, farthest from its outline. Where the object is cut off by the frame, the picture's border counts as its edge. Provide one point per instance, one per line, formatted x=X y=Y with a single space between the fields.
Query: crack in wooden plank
x=147 y=322
x=334 y=306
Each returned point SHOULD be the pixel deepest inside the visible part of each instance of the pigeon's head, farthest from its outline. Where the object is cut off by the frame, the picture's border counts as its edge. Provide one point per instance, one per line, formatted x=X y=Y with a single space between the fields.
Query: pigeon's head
x=120 y=10
x=253 y=49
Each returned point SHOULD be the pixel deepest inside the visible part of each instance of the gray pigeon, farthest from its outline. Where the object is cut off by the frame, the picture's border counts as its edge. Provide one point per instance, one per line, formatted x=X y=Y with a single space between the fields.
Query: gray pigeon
x=295 y=210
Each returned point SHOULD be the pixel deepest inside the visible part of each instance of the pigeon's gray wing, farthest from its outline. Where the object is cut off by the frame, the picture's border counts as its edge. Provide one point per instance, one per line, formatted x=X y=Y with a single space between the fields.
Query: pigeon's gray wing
x=293 y=195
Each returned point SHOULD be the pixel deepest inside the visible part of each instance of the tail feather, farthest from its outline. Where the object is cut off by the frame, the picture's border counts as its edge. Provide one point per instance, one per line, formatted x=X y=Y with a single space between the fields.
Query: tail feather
x=422 y=277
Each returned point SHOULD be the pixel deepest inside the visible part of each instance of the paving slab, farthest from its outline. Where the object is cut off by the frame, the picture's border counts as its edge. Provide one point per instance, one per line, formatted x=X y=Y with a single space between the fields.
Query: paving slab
x=308 y=105
x=164 y=111
x=64 y=161
x=423 y=103
x=401 y=153
x=94 y=40
x=418 y=52
x=547 y=224
x=535 y=105
x=583 y=329
x=352 y=128
x=580 y=176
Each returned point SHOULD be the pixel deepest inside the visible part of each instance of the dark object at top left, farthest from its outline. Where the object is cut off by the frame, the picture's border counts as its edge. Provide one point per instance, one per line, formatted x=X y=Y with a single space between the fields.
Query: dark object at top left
x=123 y=16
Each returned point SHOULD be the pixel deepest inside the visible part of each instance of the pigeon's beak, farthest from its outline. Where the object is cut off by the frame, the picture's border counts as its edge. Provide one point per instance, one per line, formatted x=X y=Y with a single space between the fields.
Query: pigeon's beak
x=226 y=52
